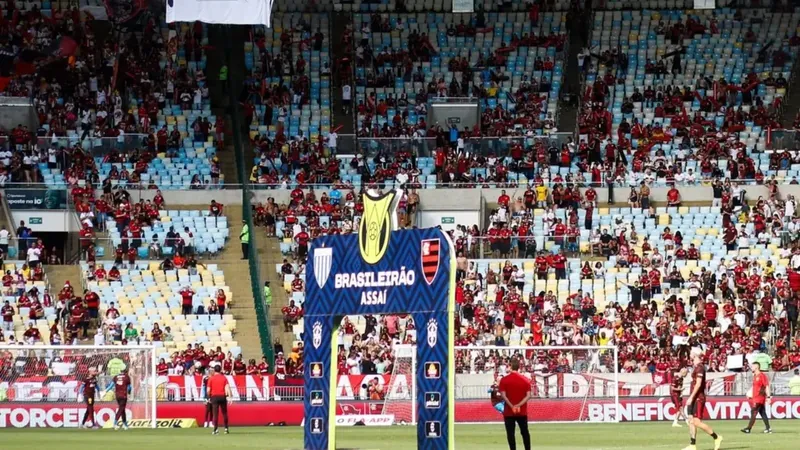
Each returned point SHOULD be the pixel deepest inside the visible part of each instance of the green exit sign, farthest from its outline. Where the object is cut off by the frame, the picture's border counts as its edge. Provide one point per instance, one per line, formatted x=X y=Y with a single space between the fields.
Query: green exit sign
x=448 y=220
x=34 y=220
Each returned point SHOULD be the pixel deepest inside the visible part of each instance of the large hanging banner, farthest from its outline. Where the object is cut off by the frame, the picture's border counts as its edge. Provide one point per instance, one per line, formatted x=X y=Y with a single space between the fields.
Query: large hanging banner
x=381 y=271
x=230 y=12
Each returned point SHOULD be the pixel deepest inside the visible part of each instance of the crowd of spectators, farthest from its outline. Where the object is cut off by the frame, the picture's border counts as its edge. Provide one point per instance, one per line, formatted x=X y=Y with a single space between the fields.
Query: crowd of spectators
x=87 y=86
x=483 y=78
x=736 y=307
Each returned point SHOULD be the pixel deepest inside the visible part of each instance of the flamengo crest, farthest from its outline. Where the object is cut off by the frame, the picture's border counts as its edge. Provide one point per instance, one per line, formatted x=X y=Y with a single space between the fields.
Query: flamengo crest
x=429 y=258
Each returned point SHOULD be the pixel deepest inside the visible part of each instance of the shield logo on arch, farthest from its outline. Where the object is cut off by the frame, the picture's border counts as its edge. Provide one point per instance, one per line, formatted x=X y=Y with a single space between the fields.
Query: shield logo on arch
x=323 y=261
x=429 y=253
x=375 y=228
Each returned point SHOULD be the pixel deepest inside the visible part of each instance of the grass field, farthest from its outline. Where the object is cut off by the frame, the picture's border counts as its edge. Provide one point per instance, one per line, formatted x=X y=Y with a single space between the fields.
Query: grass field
x=476 y=437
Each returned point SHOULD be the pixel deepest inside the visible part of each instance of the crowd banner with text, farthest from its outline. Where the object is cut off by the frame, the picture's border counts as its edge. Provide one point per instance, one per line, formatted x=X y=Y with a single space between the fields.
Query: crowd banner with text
x=36 y=198
x=229 y=12
x=381 y=271
x=261 y=388
x=253 y=414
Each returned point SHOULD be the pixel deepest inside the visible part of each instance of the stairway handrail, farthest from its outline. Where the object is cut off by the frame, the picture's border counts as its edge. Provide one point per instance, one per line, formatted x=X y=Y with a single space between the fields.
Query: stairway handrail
x=259 y=303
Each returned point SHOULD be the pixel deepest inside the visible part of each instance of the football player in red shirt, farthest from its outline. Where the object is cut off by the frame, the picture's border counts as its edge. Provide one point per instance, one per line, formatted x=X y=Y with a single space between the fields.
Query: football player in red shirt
x=676 y=394
x=761 y=397
x=89 y=389
x=696 y=406
x=122 y=387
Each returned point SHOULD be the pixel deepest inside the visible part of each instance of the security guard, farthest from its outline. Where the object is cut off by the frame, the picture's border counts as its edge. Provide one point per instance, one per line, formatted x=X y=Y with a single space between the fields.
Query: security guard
x=244 y=237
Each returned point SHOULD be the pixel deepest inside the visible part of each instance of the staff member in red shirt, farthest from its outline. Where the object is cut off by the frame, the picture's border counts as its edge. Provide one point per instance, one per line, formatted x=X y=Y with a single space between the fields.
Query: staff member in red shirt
x=219 y=392
x=761 y=398
x=515 y=389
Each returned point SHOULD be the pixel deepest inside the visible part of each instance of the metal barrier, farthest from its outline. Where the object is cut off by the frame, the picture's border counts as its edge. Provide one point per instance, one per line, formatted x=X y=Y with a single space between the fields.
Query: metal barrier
x=784 y=139
x=486 y=146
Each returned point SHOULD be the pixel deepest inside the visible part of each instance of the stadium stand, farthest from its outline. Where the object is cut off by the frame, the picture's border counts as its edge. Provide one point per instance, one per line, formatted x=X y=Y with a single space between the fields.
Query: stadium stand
x=404 y=61
x=194 y=231
x=27 y=308
x=665 y=84
x=158 y=111
x=288 y=91
x=671 y=97
x=146 y=295
x=707 y=273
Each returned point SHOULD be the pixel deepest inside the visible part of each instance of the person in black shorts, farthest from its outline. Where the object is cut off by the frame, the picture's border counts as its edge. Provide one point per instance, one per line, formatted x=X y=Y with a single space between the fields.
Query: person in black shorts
x=209 y=415
x=219 y=392
x=89 y=389
x=696 y=404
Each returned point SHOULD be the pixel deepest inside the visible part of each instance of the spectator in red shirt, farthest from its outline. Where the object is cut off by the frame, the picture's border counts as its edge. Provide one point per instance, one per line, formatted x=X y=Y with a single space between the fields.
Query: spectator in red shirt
x=7 y=311
x=302 y=239
x=132 y=253
x=215 y=208
x=290 y=315
x=32 y=334
x=263 y=367
x=187 y=295
x=711 y=311
x=559 y=262
x=673 y=197
x=503 y=199
x=92 y=303
x=239 y=367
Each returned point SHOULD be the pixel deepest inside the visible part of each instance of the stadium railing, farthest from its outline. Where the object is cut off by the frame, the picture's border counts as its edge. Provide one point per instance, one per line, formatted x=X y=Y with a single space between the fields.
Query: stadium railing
x=483 y=246
x=521 y=184
x=425 y=146
x=784 y=139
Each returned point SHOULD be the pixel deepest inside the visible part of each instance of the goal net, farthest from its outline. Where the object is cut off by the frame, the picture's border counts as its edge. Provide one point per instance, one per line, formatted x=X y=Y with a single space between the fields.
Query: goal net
x=568 y=384
x=41 y=386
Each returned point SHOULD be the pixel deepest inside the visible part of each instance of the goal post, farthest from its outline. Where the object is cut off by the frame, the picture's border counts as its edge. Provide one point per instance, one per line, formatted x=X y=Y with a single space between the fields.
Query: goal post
x=569 y=383
x=401 y=402
x=41 y=385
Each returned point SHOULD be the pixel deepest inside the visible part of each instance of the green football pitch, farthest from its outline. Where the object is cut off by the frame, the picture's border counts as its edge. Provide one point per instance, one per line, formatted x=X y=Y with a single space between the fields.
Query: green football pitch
x=468 y=437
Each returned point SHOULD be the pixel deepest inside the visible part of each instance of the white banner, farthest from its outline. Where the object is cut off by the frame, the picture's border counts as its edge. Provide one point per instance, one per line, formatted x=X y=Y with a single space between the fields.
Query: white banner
x=231 y=12
x=463 y=6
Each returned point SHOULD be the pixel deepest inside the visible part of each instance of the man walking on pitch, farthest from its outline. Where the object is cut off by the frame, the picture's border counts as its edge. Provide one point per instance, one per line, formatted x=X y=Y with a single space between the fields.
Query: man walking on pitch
x=515 y=390
x=676 y=392
x=88 y=391
x=220 y=391
x=696 y=406
x=761 y=397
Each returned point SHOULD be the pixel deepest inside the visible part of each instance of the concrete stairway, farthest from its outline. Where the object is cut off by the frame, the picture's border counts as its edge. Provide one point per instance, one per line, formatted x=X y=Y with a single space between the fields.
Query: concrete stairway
x=237 y=276
x=57 y=276
x=3 y=222
x=269 y=254
x=340 y=22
